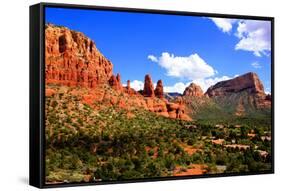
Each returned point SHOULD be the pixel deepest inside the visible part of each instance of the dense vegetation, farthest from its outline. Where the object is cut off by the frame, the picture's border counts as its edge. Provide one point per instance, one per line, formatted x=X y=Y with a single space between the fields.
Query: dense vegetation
x=83 y=144
x=221 y=110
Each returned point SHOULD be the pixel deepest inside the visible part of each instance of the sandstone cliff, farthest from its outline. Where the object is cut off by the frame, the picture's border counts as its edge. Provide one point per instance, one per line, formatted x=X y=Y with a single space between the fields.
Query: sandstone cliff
x=245 y=91
x=73 y=59
x=249 y=82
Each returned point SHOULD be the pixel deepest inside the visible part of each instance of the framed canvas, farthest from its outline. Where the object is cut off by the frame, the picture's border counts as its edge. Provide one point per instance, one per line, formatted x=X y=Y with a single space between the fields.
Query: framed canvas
x=130 y=95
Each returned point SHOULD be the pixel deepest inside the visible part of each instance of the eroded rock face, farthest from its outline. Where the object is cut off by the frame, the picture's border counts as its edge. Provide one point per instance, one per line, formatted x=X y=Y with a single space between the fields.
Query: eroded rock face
x=193 y=90
x=249 y=88
x=148 y=90
x=177 y=111
x=167 y=109
x=159 y=92
x=72 y=59
x=115 y=82
x=118 y=78
x=268 y=97
x=249 y=82
x=128 y=84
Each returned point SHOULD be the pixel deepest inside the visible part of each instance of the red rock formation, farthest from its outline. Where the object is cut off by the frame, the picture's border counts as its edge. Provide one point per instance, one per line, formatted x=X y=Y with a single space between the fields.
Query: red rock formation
x=118 y=78
x=115 y=82
x=159 y=92
x=177 y=111
x=72 y=59
x=130 y=90
x=193 y=90
x=49 y=92
x=128 y=84
x=268 y=97
x=249 y=82
x=148 y=90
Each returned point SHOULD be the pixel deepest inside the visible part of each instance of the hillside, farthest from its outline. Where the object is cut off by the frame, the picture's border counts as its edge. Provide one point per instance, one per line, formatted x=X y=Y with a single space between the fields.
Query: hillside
x=85 y=144
x=242 y=96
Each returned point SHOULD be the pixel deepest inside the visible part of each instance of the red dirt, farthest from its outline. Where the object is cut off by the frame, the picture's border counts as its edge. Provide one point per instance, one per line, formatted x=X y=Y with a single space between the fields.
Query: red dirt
x=189 y=149
x=193 y=169
x=218 y=141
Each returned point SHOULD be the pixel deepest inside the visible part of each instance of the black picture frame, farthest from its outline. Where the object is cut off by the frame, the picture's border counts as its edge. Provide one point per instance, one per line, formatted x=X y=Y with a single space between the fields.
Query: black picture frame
x=37 y=91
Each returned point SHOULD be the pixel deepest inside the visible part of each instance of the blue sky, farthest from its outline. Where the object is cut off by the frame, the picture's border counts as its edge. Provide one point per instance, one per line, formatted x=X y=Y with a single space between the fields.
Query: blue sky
x=176 y=49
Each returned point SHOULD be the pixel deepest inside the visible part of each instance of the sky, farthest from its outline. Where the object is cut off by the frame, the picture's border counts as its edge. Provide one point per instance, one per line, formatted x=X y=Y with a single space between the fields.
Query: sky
x=176 y=49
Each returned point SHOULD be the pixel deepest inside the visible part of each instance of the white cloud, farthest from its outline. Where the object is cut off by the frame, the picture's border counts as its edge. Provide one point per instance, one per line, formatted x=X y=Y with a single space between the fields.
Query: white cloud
x=137 y=85
x=224 y=24
x=255 y=36
x=180 y=86
x=190 y=67
x=177 y=87
x=256 y=65
x=193 y=68
x=206 y=83
x=152 y=58
x=203 y=83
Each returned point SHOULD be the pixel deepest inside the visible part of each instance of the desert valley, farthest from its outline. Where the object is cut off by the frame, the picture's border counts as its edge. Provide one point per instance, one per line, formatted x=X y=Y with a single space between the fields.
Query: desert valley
x=97 y=129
